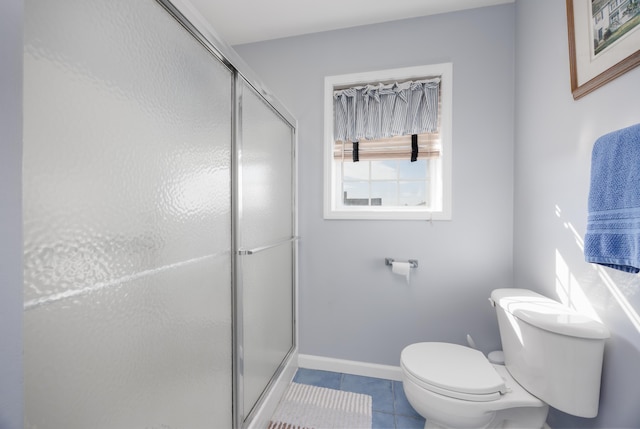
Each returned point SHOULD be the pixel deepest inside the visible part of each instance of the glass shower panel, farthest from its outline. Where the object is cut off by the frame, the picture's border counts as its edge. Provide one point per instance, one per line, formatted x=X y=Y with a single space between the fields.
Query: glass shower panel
x=266 y=182
x=266 y=226
x=267 y=309
x=127 y=220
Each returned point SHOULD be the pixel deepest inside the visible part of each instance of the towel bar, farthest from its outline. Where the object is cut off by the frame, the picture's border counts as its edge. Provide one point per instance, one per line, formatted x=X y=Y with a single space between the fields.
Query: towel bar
x=243 y=252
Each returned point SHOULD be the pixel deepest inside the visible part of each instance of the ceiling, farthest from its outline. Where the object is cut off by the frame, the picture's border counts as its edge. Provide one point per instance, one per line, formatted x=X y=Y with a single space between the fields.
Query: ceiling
x=246 y=21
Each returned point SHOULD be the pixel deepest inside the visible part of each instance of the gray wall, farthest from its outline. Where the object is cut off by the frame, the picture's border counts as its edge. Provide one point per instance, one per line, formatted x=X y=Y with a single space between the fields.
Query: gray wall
x=554 y=138
x=351 y=306
x=10 y=214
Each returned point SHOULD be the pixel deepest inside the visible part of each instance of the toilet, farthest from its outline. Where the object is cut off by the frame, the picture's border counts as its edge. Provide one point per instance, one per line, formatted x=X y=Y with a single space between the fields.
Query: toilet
x=552 y=355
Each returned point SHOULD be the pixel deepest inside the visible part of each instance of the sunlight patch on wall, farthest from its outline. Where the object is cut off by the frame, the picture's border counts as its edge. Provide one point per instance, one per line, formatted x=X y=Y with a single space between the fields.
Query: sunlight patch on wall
x=572 y=294
x=619 y=297
x=569 y=290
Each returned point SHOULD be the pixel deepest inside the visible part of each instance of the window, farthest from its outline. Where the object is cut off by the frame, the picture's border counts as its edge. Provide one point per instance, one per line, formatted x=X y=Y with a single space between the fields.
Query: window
x=379 y=165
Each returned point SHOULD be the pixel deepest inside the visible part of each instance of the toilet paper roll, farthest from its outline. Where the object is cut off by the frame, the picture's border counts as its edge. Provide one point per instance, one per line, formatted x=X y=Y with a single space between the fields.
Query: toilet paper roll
x=402 y=269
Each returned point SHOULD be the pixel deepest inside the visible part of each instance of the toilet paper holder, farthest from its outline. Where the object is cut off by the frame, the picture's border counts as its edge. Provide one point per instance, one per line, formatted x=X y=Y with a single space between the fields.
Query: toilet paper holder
x=413 y=263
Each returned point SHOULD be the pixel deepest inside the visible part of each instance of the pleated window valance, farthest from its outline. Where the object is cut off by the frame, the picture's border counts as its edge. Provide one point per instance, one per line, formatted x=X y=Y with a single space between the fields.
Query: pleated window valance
x=381 y=111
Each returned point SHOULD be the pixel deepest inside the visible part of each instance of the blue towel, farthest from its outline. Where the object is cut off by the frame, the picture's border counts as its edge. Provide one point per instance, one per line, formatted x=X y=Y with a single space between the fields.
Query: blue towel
x=613 y=223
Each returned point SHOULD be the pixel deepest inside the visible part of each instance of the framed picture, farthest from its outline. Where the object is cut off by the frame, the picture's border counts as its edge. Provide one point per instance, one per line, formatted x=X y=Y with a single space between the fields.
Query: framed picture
x=604 y=41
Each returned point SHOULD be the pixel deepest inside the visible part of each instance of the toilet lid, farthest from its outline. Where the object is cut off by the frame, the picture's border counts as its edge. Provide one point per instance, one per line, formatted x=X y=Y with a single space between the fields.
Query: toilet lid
x=453 y=370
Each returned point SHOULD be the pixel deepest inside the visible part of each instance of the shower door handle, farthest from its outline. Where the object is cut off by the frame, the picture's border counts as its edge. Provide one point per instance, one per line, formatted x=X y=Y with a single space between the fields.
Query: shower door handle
x=255 y=250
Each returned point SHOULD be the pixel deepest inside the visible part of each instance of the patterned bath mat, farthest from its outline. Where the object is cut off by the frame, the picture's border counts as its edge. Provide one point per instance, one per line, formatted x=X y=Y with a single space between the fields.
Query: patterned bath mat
x=311 y=407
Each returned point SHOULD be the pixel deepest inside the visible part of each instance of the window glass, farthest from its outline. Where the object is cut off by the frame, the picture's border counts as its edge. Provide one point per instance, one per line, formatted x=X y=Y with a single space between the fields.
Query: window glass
x=412 y=170
x=381 y=170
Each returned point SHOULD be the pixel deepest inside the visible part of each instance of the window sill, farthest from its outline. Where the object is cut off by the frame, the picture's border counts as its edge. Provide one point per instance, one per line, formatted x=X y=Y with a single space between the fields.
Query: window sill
x=368 y=214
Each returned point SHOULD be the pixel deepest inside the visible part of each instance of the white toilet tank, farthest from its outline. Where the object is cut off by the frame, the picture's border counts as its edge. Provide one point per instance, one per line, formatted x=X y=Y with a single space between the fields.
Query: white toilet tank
x=552 y=351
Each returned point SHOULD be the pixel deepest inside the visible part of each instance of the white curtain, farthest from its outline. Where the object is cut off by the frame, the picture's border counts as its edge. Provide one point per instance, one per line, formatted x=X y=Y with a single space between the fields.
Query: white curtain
x=381 y=111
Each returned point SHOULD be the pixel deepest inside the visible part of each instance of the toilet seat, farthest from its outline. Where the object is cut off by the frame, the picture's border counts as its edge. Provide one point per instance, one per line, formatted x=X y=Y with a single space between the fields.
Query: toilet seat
x=452 y=370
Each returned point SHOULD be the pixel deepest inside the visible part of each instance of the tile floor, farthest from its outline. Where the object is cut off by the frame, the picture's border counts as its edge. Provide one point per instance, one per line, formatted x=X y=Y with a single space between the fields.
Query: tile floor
x=391 y=410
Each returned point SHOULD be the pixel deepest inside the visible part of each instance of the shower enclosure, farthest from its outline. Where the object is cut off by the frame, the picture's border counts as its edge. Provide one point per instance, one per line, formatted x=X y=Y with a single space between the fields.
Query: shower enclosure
x=159 y=222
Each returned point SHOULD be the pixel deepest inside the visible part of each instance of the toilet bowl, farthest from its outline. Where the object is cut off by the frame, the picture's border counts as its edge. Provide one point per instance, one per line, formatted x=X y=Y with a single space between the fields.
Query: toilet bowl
x=552 y=355
x=455 y=386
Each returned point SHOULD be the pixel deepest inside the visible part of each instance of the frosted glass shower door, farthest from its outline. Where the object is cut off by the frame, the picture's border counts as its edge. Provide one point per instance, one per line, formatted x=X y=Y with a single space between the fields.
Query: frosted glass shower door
x=127 y=220
x=266 y=257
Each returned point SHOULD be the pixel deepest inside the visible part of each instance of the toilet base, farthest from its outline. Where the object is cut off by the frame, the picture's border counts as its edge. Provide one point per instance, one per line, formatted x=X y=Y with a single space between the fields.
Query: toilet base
x=515 y=418
x=517 y=409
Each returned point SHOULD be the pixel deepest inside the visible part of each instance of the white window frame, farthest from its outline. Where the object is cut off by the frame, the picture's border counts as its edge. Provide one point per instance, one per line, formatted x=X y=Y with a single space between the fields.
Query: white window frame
x=331 y=209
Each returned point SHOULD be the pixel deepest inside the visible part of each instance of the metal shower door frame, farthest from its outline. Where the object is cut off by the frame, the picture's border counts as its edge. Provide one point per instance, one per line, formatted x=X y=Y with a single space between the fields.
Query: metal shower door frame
x=201 y=30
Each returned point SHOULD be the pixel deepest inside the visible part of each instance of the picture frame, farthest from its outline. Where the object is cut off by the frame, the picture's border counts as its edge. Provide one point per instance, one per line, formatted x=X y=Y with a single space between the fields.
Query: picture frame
x=604 y=41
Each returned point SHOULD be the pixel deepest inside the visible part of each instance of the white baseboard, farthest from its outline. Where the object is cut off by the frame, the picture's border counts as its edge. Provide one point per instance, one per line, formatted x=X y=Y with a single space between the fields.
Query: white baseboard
x=269 y=404
x=262 y=417
x=366 y=369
